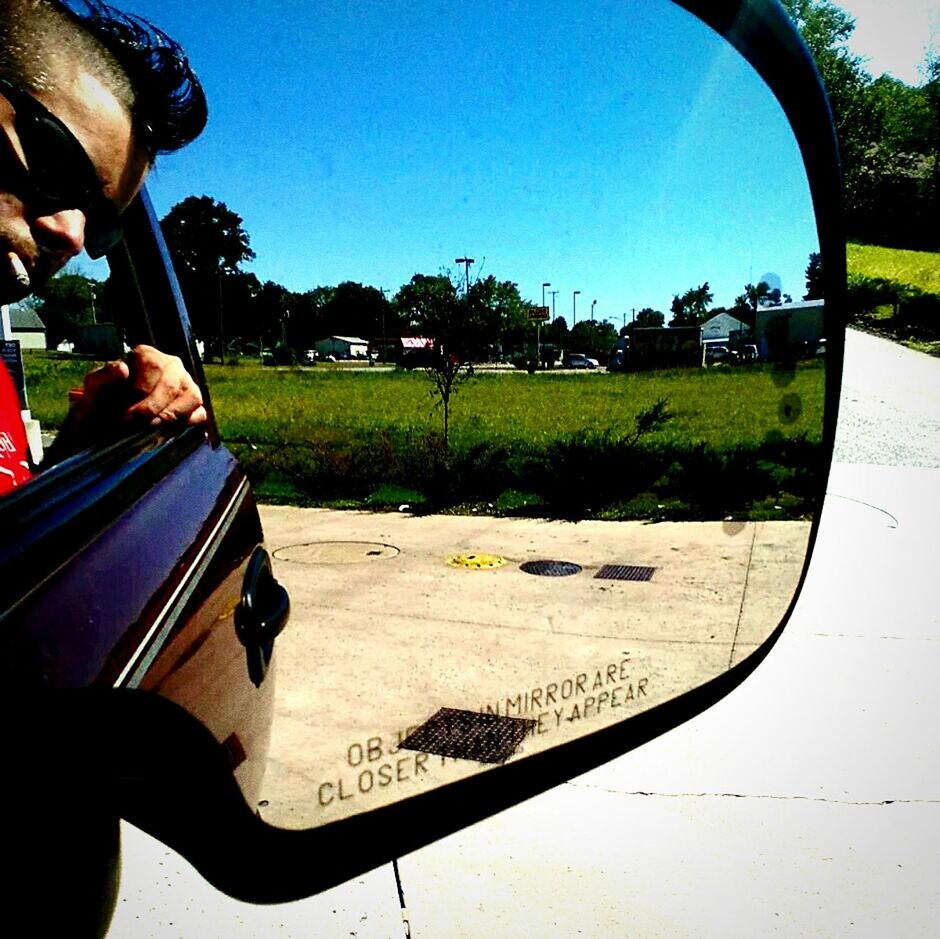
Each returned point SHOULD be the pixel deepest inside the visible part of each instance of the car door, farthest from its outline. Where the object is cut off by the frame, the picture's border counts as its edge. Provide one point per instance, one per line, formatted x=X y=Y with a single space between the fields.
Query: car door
x=137 y=567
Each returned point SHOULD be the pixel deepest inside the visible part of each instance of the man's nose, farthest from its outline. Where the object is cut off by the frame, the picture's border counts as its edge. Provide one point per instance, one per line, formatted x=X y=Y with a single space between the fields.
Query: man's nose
x=61 y=233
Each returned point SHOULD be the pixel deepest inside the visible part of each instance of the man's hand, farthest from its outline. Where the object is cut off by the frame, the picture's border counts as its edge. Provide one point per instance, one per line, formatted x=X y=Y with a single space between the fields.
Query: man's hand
x=146 y=387
x=156 y=387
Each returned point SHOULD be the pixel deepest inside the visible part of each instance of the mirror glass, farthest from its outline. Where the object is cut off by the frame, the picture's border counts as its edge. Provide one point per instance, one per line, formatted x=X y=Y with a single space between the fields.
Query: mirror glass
x=611 y=220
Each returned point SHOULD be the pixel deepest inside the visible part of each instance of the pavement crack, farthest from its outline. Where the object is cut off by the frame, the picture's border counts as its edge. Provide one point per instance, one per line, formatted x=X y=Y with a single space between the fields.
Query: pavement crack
x=878 y=638
x=747 y=576
x=754 y=796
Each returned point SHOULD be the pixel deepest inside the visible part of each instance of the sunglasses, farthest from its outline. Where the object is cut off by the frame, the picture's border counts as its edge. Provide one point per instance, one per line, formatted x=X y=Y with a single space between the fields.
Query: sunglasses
x=58 y=174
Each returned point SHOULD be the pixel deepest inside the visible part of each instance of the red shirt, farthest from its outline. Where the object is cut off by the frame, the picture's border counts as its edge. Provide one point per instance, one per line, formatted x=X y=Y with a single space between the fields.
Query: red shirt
x=14 y=448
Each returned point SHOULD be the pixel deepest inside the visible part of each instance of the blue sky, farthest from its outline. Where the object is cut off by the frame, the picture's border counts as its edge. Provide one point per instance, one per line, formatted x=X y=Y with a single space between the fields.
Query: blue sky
x=619 y=149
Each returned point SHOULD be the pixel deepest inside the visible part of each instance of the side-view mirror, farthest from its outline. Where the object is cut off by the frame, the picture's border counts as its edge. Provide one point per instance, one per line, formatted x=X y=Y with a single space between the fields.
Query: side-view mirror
x=616 y=543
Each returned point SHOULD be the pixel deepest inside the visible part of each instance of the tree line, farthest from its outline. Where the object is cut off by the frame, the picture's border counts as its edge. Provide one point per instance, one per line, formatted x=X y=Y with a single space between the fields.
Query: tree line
x=888 y=132
x=232 y=311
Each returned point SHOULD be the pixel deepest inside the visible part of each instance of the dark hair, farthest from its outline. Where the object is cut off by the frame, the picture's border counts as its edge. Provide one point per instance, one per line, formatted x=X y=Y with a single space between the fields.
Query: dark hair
x=169 y=108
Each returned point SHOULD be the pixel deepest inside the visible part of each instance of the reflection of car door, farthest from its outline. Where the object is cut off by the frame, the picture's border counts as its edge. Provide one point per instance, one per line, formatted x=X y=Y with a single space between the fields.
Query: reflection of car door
x=124 y=568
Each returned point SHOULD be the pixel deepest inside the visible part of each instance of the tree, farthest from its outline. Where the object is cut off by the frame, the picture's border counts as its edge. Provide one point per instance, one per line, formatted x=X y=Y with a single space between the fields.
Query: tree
x=205 y=235
x=648 y=318
x=66 y=302
x=593 y=339
x=826 y=29
x=896 y=191
x=556 y=333
x=354 y=309
x=692 y=307
x=814 y=277
x=888 y=134
x=496 y=310
x=207 y=243
x=271 y=314
x=307 y=320
x=431 y=306
x=754 y=296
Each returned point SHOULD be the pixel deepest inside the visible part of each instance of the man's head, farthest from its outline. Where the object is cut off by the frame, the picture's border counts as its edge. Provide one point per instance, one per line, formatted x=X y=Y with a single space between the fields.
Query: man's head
x=88 y=97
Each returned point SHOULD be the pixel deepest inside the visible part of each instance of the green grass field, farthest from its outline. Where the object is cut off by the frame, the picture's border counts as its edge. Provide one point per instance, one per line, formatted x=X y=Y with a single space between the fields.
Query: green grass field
x=717 y=406
x=734 y=442
x=917 y=268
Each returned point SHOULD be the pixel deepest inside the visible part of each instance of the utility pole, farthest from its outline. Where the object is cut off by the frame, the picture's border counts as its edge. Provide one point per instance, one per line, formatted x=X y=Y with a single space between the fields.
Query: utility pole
x=538 y=330
x=221 y=319
x=466 y=262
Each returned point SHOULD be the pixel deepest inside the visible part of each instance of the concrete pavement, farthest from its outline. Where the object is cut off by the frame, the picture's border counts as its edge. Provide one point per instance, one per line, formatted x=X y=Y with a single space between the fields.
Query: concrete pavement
x=395 y=617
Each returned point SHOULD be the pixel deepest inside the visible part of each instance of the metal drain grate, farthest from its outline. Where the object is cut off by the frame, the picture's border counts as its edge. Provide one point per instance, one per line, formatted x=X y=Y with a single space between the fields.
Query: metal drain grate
x=551 y=568
x=625 y=572
x=469 y=735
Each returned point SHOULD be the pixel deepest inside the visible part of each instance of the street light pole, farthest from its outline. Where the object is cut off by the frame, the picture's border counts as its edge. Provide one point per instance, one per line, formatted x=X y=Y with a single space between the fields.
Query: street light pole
x=574 y=307
x=593 y=304
x=538 y=330
x=384 y=340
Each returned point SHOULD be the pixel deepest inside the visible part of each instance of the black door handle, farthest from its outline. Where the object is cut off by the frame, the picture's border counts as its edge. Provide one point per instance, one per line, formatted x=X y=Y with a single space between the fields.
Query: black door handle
x=261 y=615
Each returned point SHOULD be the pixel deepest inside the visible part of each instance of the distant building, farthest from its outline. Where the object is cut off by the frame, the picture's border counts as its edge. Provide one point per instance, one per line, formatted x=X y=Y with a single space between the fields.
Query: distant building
x=404 y=350
x=784 y=329
x=27 y=327
x=720 y=327
x=342 y=347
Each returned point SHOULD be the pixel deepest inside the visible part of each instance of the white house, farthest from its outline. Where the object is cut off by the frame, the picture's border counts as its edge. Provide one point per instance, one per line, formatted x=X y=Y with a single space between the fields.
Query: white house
x=27 y=327
x=342 y=347
x=720 y=327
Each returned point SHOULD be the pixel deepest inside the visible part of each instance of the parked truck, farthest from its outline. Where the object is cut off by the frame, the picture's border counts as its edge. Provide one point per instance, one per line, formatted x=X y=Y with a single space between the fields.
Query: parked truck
x=658 y=347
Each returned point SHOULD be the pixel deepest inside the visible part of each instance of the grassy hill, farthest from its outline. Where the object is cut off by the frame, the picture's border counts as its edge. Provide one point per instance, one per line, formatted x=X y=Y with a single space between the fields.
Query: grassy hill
x=917 y=268
x=882 y=301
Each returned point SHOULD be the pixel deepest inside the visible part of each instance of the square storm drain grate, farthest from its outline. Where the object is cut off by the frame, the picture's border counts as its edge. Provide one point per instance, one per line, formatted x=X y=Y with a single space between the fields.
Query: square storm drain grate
x=625 y=572
x=468 y=735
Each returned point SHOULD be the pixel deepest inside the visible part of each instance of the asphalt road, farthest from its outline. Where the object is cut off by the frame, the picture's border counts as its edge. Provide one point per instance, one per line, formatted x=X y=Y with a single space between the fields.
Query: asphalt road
x=806 y=803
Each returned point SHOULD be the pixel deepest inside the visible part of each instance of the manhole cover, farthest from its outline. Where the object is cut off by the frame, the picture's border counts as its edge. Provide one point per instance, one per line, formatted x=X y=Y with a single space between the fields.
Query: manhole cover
x=336 y=552
x=469 y=735
x=476 y=562
x=625 y=572
x=551 y=568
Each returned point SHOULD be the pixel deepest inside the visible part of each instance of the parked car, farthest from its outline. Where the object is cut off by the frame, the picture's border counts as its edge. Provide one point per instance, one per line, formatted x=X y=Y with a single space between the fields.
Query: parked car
x=579 y=360
x=716 y=354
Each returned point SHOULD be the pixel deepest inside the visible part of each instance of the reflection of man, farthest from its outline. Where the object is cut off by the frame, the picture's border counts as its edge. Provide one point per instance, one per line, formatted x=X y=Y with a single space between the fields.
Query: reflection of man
x=88 y=98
